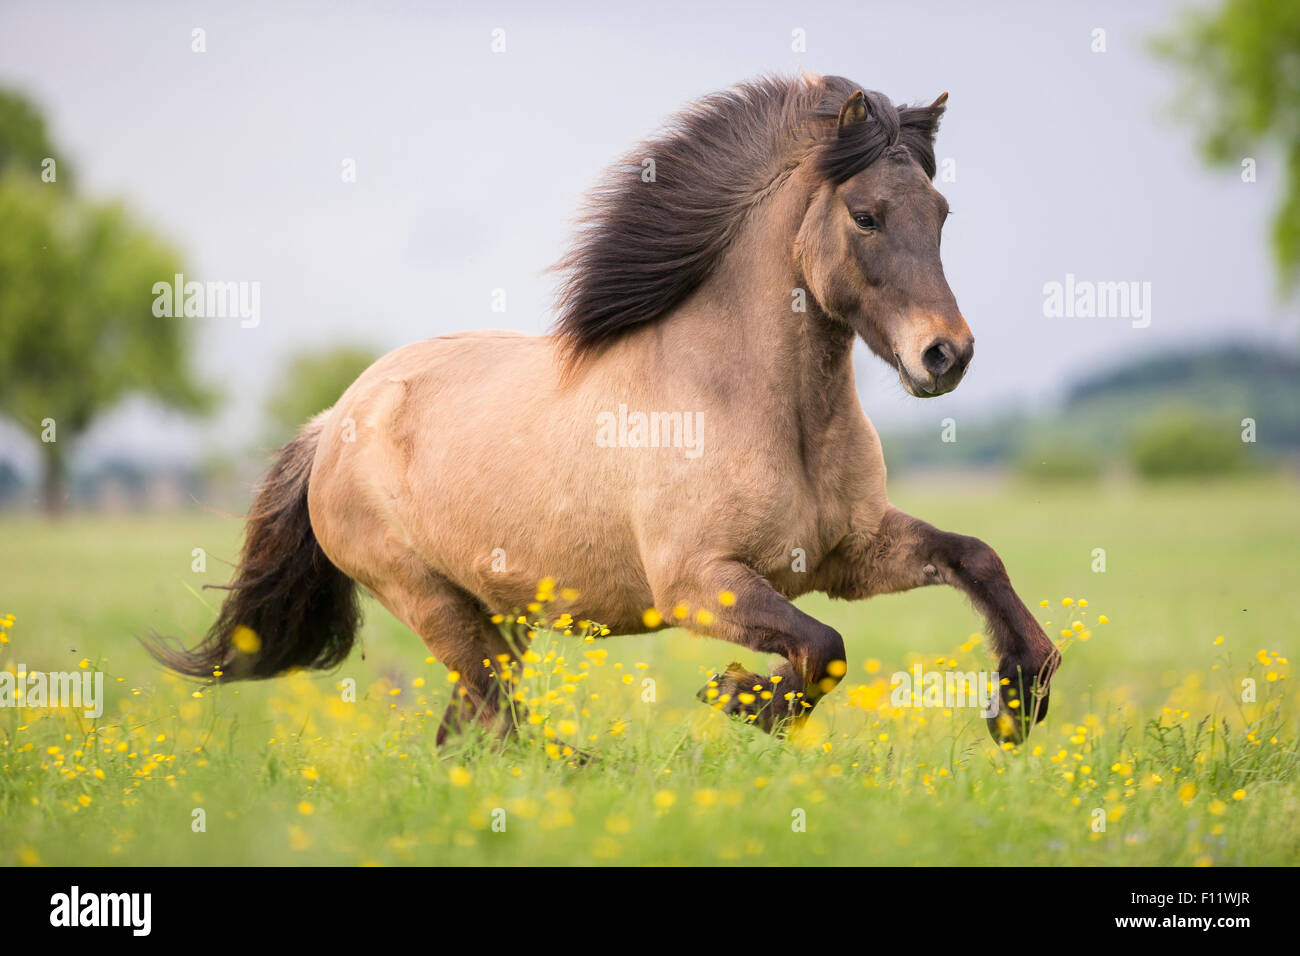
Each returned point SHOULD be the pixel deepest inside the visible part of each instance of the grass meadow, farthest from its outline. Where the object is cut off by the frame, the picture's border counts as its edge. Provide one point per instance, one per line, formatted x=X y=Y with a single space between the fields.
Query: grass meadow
x=1149 y=755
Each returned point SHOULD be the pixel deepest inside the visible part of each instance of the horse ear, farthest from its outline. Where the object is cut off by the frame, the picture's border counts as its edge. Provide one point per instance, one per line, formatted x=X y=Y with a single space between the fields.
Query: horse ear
x=924 y=119
x=854 y=110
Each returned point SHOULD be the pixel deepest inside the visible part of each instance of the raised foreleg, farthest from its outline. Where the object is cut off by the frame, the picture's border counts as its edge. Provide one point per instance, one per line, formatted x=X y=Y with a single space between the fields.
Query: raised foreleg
x=905 y=553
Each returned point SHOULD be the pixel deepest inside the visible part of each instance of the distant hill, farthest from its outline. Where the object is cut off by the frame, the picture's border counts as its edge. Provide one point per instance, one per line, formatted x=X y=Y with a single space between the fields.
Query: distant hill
x=1230 y=382
x=1222 y=384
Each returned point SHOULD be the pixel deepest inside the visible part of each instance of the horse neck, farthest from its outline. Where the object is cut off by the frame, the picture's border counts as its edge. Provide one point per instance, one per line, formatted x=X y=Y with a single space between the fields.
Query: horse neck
x=793 y=366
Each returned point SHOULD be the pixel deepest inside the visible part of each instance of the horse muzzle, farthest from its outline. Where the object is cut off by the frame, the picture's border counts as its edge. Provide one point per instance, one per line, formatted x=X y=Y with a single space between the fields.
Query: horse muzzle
x=942 y=366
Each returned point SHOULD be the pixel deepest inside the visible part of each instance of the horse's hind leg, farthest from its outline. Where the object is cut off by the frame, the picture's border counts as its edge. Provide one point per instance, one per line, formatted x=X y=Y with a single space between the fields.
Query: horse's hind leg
x=481 y=695
x=460 y=635
x=764 y=621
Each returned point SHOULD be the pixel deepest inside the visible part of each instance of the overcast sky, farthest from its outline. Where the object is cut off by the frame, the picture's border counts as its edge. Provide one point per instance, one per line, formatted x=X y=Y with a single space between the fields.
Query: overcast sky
x=471 y=163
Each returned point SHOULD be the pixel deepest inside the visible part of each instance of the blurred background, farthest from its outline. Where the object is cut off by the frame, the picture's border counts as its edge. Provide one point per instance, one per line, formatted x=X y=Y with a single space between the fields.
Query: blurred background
x=364 y=177
x=391 y=173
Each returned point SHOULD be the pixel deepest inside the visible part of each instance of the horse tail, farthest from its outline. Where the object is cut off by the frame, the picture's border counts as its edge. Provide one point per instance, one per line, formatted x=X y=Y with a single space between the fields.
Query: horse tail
x=288 y=606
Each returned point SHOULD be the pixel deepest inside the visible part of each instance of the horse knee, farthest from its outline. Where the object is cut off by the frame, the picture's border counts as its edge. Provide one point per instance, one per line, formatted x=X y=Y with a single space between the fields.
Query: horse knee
x=975 y=558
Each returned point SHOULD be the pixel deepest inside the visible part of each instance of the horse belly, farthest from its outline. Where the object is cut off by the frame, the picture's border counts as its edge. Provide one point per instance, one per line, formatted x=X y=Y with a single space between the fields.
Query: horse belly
x=486 y=464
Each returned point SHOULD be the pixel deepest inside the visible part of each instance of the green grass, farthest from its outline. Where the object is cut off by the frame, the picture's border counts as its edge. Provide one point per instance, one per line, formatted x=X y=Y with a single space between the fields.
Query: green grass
x=287 y=772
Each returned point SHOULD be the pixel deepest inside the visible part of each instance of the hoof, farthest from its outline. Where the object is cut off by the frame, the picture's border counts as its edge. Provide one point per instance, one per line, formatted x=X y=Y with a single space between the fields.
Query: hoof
x=1007 y=728
x=745 y=696
x=1017 y=715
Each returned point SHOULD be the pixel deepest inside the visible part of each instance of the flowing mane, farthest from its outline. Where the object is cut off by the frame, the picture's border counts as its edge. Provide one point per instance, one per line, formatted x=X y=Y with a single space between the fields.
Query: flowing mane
x=644 y=243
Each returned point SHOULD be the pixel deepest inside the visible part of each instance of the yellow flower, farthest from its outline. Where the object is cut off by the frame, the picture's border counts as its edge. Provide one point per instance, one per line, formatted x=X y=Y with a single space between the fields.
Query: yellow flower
x=245 y=640
x=1217 y=807
x=1239 y=794
x=663 y=799
x=652 y=618
x=306 y=809
x=459 y=777
x=704 y=617
x=726 y=598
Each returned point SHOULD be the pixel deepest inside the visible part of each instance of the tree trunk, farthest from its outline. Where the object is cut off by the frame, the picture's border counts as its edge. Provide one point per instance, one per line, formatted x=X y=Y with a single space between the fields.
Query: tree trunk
x=53 y=488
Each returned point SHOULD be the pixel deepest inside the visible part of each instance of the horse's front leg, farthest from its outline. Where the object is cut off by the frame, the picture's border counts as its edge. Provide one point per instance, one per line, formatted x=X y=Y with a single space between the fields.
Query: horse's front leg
x=907 y=553
x=753 y=615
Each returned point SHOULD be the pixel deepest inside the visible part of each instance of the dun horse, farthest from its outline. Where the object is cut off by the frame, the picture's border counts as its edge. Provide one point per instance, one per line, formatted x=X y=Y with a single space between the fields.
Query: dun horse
x=783 y=218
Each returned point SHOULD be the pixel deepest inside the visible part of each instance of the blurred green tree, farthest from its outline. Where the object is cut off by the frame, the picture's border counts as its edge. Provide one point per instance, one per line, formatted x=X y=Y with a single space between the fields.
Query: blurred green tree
x=312 y=383
x=1241 y=65
x=1186 y=443
x=25 y=147
x=77 y=330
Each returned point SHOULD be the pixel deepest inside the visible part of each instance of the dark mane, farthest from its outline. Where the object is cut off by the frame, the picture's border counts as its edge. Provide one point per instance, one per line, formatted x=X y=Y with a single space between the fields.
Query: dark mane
x=644 y=246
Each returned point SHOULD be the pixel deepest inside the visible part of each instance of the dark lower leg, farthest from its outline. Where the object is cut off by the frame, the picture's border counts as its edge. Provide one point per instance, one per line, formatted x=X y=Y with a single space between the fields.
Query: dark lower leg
x=908 y=553
x=764 y=621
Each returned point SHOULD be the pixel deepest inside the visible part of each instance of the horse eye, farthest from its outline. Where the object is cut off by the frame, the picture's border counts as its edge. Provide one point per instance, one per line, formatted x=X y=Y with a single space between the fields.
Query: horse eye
x=866 y=221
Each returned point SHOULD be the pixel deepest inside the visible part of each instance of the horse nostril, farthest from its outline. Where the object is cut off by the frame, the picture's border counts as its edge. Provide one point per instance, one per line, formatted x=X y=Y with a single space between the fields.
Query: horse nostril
x=939 y=357
x=967 y=354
